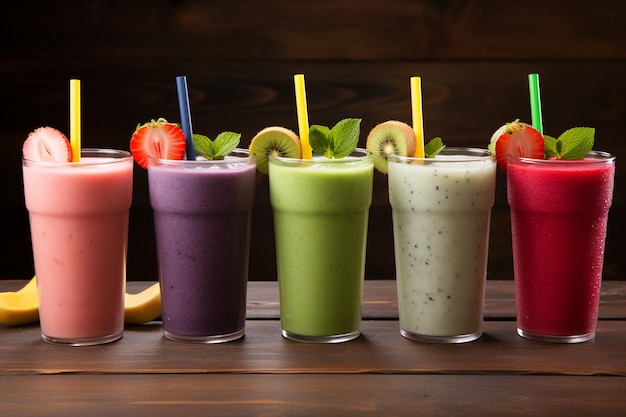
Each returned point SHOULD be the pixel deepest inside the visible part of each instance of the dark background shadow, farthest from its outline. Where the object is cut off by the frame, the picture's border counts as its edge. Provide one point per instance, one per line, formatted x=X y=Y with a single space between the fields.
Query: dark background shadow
x=357 y=55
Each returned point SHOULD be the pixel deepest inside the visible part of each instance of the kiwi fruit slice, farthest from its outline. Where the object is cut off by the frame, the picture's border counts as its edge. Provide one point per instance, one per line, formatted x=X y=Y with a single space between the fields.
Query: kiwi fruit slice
x=274 y=141
x=390 y=137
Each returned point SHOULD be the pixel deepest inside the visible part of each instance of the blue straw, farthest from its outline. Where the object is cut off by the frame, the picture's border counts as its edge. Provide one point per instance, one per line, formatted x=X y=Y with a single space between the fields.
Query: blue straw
x=185 y=115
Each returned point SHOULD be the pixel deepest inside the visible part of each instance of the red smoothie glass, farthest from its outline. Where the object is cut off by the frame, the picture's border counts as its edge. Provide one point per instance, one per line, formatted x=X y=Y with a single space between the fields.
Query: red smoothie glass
x=559 y=212
x=202 y=218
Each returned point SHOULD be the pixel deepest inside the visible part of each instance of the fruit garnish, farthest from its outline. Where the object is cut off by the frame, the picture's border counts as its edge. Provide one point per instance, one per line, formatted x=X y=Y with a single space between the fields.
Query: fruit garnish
x=144 y=306
x=20 y=307
x=387 y=138
x=518 y=139
x=397 y=138
x=338 y=142
x=158 y=139
x=432 y=148
x=572 y=144
x=47 y=144
x=218 y=148
x=274 y=141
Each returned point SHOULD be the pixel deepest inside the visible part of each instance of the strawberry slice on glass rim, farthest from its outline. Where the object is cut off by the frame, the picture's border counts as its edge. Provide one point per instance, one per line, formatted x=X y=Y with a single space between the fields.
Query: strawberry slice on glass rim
x=158 y=139
x=47 y=144
x=517 y=139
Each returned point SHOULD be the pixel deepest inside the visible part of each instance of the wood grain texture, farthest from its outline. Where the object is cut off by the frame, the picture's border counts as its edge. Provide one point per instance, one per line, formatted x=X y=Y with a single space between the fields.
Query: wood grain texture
x=380 y=301
x=320 y=30
x=357 y=56
x=306 y=395
x=380 y=373
x=479 y=95
x=263 y=350
x=379 y=349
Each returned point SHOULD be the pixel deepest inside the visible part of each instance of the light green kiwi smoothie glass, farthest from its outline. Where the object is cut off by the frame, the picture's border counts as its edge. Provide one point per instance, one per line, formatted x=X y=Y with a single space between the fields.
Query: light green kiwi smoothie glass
x=441 y=209
x=321 y=209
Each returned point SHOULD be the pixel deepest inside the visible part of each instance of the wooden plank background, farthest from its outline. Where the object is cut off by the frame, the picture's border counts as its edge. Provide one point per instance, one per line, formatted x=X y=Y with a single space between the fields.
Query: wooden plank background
x=357 y=56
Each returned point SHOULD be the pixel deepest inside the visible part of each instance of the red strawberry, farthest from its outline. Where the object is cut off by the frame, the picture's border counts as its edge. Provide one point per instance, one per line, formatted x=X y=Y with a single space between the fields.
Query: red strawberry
x=47 y=144
x=518 y=139
x=158 y=139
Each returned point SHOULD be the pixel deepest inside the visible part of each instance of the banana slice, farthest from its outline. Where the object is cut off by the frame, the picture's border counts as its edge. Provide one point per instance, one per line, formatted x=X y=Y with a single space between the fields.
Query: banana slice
x=144 y=306
x=20 y=307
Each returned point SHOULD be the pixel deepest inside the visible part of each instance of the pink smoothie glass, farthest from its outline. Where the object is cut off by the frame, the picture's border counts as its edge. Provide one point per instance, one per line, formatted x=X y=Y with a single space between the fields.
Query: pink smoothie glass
x=79 y=230
x=559 y=213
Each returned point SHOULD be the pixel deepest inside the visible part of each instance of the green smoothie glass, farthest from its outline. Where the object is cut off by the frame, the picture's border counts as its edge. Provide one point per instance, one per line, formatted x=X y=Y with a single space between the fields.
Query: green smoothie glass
x=321 y=209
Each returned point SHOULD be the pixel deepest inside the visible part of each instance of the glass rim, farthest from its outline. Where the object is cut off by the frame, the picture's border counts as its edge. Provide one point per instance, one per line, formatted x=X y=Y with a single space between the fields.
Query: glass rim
x=596 y=157
x=245 y=156
x=117 y=155
x=363 y=154
x=461 y=154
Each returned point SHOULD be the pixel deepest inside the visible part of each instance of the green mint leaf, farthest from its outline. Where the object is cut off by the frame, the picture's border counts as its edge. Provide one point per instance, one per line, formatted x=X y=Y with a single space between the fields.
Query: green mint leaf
x=224 y=144
x=337 y=142
x=216 y=149
x=432 y=148
x=320 y=141
x=550 y=147
x=576 y=142
x=203 y=146
x=345 y=137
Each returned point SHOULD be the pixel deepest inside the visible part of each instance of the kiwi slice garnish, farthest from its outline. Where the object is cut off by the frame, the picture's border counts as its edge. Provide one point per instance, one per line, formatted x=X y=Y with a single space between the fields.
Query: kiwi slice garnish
x=274 y=141
x=390 y=137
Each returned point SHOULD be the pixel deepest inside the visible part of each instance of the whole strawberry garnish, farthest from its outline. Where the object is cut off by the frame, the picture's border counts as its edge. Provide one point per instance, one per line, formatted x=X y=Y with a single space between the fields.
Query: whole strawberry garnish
x=517 y=139
x=158 y=139
x=47 y=144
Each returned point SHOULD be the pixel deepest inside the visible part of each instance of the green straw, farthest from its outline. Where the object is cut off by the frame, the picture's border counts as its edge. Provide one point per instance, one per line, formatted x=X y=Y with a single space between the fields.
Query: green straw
x=535 y=102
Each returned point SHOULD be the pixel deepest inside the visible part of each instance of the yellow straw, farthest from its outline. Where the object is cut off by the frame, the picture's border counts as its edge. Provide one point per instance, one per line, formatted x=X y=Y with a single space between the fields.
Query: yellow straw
x=418 y=117
x=303 y=118
x=75 y=119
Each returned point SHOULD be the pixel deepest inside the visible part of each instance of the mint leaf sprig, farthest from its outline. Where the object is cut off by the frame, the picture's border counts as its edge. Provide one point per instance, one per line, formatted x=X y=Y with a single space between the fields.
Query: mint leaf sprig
x=432 y=148
x=572 y=144
x=218 y=148
x=338 y=142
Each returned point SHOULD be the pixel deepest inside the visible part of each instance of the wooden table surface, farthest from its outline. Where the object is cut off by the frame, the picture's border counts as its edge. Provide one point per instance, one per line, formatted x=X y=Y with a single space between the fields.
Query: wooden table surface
x=378 y=374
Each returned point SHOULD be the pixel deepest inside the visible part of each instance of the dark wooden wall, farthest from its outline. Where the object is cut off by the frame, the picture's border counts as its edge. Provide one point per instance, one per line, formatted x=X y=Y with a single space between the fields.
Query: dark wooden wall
x=357 y=55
